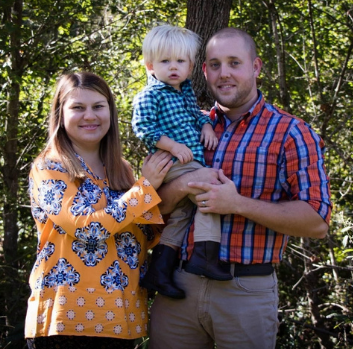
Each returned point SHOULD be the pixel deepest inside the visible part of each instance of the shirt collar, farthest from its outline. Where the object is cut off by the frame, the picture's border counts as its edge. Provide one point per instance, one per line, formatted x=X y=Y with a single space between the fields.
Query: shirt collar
x=254 y=110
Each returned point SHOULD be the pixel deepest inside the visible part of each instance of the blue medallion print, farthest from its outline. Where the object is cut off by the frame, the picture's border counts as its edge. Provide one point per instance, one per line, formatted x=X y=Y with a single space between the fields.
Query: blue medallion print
x=128 y=248
x=90 y=245
x=85 y=167
x=114 y=278
x=50 y=195
x=88 y=194
x=62 y=274
x=59 y=229
x=39 y=284
x=47 y=164
x=37 y=212
x=115 y=205
x=45 y=253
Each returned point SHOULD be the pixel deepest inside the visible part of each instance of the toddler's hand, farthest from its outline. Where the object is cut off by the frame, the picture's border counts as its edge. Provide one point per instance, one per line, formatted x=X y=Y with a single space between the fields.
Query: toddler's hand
x=208 y=137
x=182 y=152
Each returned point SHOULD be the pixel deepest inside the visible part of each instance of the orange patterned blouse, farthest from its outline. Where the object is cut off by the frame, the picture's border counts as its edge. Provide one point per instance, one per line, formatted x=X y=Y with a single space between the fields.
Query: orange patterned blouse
x=92 y=252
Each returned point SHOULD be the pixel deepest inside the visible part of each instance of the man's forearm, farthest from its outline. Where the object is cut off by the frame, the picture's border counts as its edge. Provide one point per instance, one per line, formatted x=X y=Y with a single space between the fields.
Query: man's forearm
x=294 y=218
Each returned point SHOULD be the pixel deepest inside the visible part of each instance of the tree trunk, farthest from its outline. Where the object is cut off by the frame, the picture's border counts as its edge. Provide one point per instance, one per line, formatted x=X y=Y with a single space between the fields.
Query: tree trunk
x=10 y=171
x=12 y=15
x=283 y=90
x=205 y=17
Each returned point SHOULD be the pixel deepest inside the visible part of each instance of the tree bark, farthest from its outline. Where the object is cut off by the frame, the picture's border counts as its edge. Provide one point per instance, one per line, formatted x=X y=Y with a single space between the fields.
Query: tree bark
x=10 y=172
x=283 y=90
x=205 y=17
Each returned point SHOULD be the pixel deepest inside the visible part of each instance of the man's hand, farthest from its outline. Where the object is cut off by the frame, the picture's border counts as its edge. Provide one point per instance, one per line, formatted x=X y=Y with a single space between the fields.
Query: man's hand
x=216 y=198
x=294 y=218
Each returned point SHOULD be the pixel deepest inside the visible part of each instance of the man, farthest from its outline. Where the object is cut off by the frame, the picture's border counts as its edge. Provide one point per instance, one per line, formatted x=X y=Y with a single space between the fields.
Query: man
x=269 y=184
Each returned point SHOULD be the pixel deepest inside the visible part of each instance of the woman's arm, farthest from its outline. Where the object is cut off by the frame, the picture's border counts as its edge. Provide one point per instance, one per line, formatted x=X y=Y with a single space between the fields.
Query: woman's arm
x=72 y=205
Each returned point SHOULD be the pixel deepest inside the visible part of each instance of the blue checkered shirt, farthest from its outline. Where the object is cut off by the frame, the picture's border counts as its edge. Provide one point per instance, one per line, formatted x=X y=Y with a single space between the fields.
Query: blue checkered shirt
x=161 y=110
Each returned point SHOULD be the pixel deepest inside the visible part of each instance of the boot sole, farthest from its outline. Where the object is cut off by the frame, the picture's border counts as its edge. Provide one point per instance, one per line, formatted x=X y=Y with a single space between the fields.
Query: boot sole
x=199 y=271
x=150 y=286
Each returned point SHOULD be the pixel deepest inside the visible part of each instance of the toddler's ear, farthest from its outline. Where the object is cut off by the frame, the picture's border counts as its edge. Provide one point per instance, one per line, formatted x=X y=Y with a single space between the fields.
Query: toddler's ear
x=149 y=67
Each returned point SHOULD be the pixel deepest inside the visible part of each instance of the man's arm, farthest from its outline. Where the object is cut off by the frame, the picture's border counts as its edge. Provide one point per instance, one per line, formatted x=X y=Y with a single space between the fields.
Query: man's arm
x=171 y=193
x=295 y=218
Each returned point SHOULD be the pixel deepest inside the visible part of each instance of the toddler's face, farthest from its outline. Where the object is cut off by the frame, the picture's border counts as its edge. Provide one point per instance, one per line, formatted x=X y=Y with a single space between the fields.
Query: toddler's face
x=171 y=70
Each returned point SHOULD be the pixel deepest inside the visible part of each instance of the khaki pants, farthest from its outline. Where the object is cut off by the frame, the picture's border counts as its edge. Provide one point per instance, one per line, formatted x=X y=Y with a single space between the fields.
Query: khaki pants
x=207 y=226
x=236 y=314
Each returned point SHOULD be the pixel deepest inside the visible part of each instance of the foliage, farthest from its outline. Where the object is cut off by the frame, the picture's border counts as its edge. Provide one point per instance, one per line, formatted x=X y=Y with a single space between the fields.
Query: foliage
x=315 y=40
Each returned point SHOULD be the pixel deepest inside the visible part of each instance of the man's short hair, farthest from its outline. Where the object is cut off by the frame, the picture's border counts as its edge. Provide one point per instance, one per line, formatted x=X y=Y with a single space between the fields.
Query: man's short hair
x=233 y=32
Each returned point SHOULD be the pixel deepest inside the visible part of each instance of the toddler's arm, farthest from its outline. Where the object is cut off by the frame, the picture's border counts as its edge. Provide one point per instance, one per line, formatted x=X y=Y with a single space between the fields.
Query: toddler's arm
x=208 y=137
x=180 y=151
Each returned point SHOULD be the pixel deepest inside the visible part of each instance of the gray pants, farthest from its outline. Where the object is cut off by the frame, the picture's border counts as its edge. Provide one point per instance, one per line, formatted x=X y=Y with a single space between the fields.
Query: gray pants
x=240 y=313
x=207 y=225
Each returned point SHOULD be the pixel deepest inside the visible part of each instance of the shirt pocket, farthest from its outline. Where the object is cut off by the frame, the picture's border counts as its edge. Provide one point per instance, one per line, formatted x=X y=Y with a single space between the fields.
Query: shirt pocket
x=256 y=170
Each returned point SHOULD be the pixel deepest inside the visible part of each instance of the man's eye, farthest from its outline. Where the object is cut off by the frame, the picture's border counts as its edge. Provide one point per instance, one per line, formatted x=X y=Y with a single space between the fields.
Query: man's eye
x=214 y=65
x=234 y=63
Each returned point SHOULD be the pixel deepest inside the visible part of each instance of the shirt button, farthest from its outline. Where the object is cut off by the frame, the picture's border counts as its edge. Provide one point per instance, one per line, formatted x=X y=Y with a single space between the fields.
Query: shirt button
x=226 y=135
x=217 y=160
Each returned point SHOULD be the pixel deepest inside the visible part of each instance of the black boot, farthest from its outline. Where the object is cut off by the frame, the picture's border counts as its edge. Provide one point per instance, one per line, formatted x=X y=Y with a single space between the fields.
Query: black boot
x=204 y=261
x=159 y=276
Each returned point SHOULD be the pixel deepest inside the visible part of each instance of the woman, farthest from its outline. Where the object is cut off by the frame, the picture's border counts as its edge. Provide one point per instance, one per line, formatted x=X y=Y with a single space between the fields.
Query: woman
x=90 y=215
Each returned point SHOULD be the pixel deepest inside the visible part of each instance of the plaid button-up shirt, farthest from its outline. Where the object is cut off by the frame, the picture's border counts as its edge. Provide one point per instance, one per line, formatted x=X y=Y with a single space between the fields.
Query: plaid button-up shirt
x=273 y=156
x=161 y=110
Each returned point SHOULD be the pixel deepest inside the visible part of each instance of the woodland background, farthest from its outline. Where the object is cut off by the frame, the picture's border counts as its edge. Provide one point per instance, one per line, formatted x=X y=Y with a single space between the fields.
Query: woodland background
x=306 y=46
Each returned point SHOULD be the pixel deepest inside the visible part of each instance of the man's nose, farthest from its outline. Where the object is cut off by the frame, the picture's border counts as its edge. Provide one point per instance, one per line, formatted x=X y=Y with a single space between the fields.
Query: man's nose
x=224 y=71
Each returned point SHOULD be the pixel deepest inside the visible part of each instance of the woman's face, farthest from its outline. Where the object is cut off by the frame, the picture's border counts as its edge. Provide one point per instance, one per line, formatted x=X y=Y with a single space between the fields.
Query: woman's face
x=86 y=115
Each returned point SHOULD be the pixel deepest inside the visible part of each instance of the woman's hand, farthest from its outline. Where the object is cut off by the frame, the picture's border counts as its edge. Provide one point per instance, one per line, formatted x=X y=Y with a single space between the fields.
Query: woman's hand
x=156 y=166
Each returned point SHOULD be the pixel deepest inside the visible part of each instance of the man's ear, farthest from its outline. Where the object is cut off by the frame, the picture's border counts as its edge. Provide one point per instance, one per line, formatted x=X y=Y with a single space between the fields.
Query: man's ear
x=149 y=67
x=257 y=66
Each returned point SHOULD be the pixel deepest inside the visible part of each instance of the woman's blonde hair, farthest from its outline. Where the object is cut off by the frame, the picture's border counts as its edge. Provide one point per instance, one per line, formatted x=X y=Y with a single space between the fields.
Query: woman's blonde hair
x=118 y=170
x=175 y=41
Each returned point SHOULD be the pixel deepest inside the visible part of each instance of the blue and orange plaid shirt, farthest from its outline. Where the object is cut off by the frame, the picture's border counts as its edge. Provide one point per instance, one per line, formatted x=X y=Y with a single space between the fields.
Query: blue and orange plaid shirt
x=273 y=156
